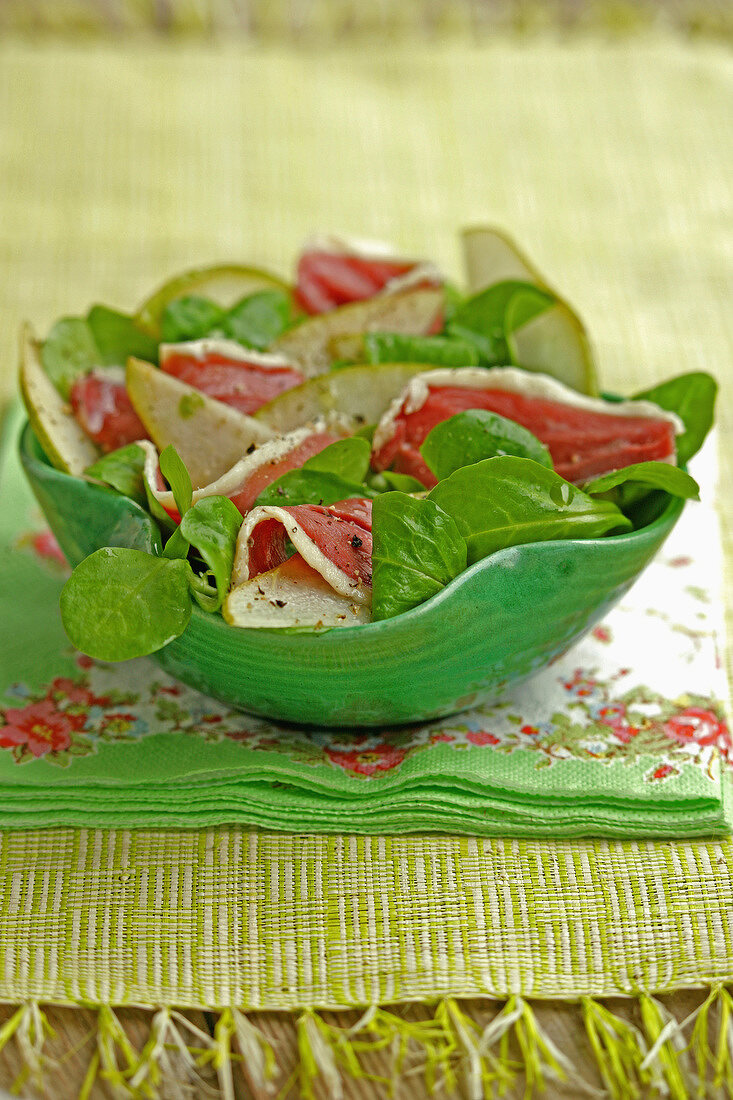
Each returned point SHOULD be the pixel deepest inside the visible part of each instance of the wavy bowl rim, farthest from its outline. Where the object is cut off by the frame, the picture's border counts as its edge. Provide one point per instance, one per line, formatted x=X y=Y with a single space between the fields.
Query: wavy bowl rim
x=665 y=520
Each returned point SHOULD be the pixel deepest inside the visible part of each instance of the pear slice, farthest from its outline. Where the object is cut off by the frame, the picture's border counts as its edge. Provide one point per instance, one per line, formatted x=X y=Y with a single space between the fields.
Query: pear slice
x=292 y=594
x=65 y=443
x=208 y=435
x=555 y=342
x=411 y=311
x=356 y=396
x=224 y=284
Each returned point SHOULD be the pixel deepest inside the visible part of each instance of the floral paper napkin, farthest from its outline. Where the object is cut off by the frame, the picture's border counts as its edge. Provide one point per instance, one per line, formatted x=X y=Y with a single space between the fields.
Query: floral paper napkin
x=624 y=735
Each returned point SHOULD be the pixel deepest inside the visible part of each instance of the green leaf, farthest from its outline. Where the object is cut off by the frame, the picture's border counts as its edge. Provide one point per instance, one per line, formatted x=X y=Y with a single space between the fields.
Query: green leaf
x=118 y=337
x=119 y=603
x=177 y=545
x=176 y=474
x=349 y=458
x=510 y=501
x=190 y=318
x=259 y=319
x=306 y=486
x=69 y=352
x=692 y=397
x=402 y=483
x=123 y=470
x=211 y=526
x=489 y=317
x=471 y=436
x=445 y=351
x=417 y=550
x=648 y=475
x=335 y=473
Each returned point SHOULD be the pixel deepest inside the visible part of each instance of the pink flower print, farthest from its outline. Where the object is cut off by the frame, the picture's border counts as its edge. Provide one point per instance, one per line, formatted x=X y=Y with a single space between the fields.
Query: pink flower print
x=381 y=758
x=73 y=692
x=482 y=737
x=530 y=731
x=695 y=725
x=601 y=634
x=679 y=562
x=663 y=771
x=83 y=661
x=440 y=736
x=40 y=727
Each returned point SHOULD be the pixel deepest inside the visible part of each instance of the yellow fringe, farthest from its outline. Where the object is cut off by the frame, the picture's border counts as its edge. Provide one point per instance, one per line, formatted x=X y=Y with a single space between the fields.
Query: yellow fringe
x=449 y=1049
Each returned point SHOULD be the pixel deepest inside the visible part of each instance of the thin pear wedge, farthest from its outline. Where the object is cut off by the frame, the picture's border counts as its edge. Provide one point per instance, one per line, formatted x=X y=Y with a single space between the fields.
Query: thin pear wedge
x=208 y=435
x=67 y=446
x=555 y=342
x=224 y=284
x=291 y=595
x=354 y=396
x=411 y=311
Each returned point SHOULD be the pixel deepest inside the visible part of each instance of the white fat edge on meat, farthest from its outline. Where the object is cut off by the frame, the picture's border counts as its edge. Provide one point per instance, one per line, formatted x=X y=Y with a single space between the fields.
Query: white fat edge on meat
x=230 y=349
x=292 y=594
x=272 y=450
x=340 y=581
x=365 y=249
x=511 y=380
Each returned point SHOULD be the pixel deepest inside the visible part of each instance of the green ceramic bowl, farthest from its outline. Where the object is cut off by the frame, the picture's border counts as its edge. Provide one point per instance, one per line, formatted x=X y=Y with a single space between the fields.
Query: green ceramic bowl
x=503 y=619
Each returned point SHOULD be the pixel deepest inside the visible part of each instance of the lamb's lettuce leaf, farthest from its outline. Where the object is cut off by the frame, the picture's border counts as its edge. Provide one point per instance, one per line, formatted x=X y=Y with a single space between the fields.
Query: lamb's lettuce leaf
x=417 y=550
x=191 y=318
x=211 y=526
x=508 y=501
x=335 y=473
x=105 y=337
x=120 y=603
x=643 y=476
x=468 y=437
x=692 y=397
x=177 y=476
x=442 y=351
x=259 y=319
x=123 y=470
x=117 y=337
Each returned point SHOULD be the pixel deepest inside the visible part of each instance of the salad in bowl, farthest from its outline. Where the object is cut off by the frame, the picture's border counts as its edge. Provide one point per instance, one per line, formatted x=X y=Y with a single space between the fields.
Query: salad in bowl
x=362 y=496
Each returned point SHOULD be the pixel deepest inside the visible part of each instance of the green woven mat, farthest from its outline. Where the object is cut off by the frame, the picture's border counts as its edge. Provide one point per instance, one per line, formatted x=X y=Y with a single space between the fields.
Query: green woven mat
x=613 y=166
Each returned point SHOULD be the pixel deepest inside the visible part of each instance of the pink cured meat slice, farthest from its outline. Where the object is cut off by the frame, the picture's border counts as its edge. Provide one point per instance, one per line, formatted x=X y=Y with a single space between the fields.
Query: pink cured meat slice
x=328 y=279
x=102 y=407
x=244 y=383
x=264 y=475
x=346 y=542
x=583 y=444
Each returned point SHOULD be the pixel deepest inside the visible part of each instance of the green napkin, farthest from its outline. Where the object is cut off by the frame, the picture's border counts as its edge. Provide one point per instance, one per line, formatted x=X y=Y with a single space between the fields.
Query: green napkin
x=624 y=735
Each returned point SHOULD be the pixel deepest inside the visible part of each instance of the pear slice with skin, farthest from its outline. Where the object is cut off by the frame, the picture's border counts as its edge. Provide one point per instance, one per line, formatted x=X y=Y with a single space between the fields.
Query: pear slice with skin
x=65 y=443
x=354 y=396
x=410 y=311
x=209 y=436
x=292 y=595
x=224 y=284
x=555 y=342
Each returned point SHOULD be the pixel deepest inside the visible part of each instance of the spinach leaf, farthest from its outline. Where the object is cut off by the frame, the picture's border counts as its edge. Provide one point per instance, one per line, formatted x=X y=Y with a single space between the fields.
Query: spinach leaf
x=190 y=318
x=445 y=351
x=259 y=319
x=211 y=526
x=121 y=603
x=335 y=473
x=508 y=501
x=176 y=474
x=307 y=486
x=69 y=352
x=471 y=436
x=643 y=476
x=349 y=458
x=489 y=317
x=692 y=397
x=123 y=470
x=417 y=550
x=118 y=337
